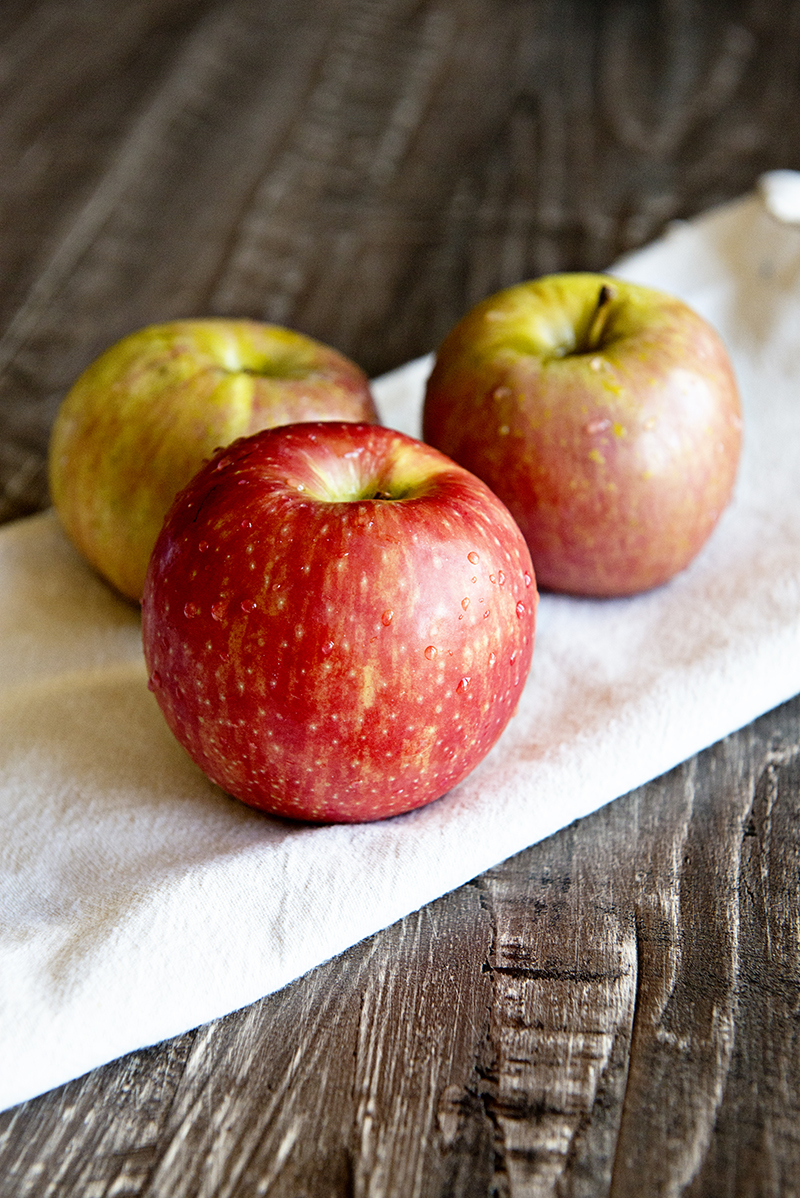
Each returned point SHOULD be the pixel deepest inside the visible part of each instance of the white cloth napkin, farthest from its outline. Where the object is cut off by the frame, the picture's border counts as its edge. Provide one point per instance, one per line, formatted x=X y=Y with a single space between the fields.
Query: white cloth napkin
x=137 y=901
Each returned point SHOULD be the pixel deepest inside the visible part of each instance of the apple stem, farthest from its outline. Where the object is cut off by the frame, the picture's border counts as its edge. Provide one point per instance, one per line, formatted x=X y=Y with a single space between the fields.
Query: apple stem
x=601 y=314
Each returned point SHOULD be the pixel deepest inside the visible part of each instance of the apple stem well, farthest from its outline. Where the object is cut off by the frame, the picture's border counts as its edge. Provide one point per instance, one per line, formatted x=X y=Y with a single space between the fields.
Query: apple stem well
x=597 y=326
x=361 y=475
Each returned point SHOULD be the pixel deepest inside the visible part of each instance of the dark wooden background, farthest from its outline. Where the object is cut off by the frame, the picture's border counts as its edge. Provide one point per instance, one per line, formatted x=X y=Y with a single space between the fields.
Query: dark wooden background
x=615 y=1011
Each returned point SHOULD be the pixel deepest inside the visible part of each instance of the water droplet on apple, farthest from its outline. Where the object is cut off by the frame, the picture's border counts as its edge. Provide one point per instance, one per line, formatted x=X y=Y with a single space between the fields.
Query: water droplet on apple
x=387 y=617
x=245 y=524
x=154 y=681
x=527 y=578
x=218 y=609
x=248 y=605
x=492 y=659
x=463 y=686
x=465 y=603
x=486 y=614
x=430 y=652
x=599 y=425
x=203 y=546
x=513 y=657
x=492 y=578
x=473 y=557
x=520 y=610
x=501 y=577
x=327 y=649
x=191 y=609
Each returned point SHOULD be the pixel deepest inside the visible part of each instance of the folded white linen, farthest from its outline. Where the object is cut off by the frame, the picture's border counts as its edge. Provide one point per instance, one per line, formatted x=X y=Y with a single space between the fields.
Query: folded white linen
x=138 y=901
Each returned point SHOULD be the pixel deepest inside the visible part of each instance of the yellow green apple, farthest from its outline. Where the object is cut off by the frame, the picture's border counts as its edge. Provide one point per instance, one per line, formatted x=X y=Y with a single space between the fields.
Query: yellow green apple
x=604 y=414
x=141 y=420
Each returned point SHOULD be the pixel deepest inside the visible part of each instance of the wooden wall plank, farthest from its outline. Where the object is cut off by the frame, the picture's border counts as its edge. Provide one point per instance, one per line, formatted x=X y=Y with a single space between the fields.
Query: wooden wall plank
x=611 y=1012
x=614 y=1011
x=361 y=169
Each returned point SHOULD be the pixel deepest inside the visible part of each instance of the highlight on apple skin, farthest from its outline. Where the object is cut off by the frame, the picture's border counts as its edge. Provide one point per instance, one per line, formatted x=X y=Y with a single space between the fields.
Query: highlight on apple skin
x=140 y=421
x=604 y=414
x=338 y=621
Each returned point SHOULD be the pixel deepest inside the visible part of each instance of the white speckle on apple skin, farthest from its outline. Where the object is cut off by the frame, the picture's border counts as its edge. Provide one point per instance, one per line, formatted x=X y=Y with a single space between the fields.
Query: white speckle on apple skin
x=339 y=675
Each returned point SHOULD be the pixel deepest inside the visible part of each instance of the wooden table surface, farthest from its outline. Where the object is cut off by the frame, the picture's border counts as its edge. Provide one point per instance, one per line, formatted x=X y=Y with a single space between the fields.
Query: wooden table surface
x=615 y=1010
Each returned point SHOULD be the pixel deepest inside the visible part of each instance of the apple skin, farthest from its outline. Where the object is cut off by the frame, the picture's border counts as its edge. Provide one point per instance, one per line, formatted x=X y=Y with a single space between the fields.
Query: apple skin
x=604 y=414
x=140 y=421
x=338 y=621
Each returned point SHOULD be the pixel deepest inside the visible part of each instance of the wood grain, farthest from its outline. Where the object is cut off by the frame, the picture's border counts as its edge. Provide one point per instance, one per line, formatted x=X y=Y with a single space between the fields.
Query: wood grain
x=615 y=1010
x=363 y=169
x=611 y=1012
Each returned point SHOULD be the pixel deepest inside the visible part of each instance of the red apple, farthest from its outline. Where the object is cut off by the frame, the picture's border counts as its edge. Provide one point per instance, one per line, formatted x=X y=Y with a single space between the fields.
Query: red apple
x=138 y=424
x=338 y=621
x=604 y=414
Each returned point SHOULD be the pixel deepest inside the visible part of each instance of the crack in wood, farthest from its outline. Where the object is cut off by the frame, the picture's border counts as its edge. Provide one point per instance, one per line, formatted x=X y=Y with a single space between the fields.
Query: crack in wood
x=621 y=1002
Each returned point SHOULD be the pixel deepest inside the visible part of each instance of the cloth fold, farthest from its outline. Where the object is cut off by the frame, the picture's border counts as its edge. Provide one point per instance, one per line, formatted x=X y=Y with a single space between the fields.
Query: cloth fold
x=138 y=901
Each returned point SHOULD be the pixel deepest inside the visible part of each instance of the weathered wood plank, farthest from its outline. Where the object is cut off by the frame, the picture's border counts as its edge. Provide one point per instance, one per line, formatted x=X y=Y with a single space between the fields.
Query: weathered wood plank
x=756 y=1146
x=597 y=1011
x=362 y=169
x=615 y=1011
x=72 y=77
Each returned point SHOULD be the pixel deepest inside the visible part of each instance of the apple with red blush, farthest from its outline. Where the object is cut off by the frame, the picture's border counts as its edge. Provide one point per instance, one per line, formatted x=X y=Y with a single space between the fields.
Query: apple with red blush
x=604 y=414
x=140 y=421
x=338 y=621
